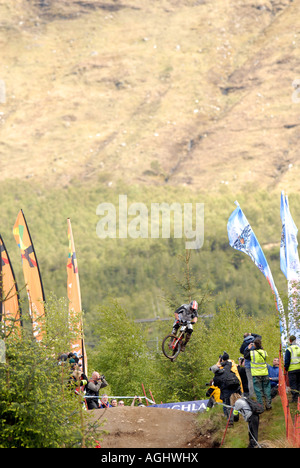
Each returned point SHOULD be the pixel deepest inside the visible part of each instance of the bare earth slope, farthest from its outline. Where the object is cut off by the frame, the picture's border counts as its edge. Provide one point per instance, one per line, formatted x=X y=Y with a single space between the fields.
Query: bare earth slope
x=142 y=427
x=170 y=92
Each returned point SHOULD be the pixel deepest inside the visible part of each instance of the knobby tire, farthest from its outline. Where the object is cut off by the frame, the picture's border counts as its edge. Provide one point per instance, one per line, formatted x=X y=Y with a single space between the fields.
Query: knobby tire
x=170 y=353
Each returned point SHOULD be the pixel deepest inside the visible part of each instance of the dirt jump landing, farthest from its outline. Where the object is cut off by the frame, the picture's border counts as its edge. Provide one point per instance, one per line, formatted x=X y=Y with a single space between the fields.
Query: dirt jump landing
x=142 y=427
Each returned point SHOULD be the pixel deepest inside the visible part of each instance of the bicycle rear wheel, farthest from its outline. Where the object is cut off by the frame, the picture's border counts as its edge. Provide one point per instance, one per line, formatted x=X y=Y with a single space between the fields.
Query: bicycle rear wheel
x=171 y=347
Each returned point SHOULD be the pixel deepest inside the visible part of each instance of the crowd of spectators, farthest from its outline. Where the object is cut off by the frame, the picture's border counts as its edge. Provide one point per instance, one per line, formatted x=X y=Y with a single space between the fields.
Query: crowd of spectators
x=90 y=388
x=238 y=387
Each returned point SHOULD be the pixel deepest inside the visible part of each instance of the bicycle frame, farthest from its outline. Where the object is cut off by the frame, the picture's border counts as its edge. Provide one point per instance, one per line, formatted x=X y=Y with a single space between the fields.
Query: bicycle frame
x=174 y=343
x=179 y=338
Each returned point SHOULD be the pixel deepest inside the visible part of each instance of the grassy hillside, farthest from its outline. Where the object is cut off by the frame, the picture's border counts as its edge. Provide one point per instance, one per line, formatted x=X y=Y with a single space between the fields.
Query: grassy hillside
x=171 y=101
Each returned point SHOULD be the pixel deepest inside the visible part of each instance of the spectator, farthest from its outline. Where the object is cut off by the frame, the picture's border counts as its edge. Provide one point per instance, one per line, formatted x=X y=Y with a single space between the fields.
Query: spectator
x=241 y=405
x=227 y=381
x=72 y=360
x=242 y=372
x=140 y=403
x=121 y=403
x=213 y=392
x=274 y=376
x=248 y=338
x=78 y=379
x=104 y=403
x=92 y=390
x=292 y=367
x=114 y=403
x=259 y=371
x=63 y=357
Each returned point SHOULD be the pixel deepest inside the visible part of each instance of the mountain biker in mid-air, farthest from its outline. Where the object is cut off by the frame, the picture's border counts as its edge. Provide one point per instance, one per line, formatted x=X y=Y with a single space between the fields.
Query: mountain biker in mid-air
x=186 y=314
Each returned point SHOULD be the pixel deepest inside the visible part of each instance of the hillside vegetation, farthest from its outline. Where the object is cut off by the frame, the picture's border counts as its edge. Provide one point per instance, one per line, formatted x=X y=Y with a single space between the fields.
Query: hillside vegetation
x=170 y=101
x=179 y=92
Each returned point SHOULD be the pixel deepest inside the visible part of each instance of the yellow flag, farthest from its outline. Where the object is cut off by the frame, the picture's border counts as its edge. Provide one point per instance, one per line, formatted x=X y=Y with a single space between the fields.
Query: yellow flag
x=10 y=313
x=74 y=297
x=32 y=276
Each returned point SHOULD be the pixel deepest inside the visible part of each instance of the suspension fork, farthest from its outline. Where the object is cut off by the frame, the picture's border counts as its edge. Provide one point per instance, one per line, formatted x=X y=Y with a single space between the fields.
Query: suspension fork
x=177 y=340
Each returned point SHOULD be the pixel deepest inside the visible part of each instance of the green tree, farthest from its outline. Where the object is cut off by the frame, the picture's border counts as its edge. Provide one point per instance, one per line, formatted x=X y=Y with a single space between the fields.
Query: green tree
x=185 y=286
x=36 y=411
x=38 y=405
x=122 y=353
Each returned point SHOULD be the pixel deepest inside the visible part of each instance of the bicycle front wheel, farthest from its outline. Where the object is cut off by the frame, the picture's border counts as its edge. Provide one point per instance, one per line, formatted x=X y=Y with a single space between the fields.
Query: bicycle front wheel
x=171 y=346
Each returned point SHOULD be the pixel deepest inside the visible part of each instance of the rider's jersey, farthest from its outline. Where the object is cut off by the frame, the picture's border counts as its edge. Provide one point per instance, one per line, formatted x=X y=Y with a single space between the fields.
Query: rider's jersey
x=185 y=313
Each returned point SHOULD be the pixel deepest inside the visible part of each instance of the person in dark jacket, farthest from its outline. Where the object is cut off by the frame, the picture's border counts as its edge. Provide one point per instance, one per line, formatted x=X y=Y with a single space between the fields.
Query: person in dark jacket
x=218 y=379
x=92 y=390
x=223 y=381
x=242 y=371
x=248 y=338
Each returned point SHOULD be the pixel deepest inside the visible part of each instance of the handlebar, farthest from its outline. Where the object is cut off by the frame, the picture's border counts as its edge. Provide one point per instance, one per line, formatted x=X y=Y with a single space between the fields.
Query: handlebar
x=185 y=323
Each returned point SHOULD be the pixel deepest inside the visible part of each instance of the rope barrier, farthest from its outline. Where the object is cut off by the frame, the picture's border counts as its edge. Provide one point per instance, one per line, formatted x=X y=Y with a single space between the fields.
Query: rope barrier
x=118 y=397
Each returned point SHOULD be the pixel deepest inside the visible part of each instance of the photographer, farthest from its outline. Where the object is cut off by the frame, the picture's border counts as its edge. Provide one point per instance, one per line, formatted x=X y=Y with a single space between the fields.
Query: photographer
x=227 y=379
x=259 y=370
x=140 y=403
x=92 y=390
x=248 y=338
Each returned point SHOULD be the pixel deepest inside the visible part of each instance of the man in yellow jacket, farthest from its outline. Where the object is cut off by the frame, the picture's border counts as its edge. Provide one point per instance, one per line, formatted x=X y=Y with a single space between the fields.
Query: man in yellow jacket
x=292 y=367
x=259 y=371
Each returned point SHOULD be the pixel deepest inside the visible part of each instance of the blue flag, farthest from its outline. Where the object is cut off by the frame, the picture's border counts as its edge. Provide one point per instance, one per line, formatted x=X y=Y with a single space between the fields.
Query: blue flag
x=290 y=265
x=289 y=258
x=241 y=237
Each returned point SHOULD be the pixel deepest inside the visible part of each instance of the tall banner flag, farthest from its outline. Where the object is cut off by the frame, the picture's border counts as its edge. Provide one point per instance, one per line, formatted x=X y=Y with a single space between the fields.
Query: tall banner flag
x=289 y=263
x=10 y=312
x=32 y=276
x=241 y=237
x=74 y=297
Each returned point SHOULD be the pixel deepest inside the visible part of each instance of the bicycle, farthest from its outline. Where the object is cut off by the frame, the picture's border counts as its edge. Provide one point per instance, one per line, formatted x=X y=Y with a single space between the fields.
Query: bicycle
x=172 y=344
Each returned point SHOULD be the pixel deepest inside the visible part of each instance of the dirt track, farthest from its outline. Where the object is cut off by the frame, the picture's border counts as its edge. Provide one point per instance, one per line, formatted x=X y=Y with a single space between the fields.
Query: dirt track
x=142 y=427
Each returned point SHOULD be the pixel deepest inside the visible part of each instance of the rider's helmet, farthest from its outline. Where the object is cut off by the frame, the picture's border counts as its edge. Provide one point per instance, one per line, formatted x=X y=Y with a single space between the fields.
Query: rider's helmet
x=194 y=305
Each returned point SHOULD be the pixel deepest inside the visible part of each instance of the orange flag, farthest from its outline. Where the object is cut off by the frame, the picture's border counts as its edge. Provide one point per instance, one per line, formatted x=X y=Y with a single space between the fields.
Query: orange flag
x=74 y=297
x=10 y=312
x=32 y=276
